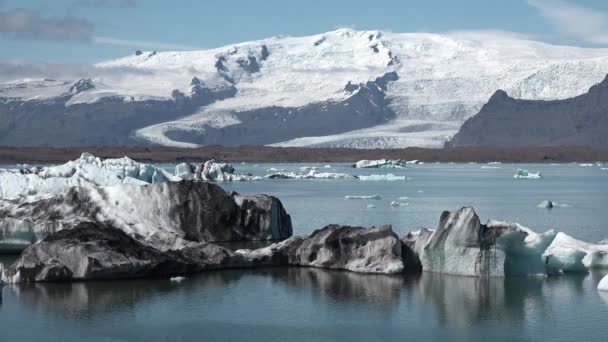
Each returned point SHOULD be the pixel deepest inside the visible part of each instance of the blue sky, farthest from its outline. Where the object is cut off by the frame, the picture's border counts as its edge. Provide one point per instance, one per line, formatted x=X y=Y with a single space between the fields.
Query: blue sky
x=84 y=31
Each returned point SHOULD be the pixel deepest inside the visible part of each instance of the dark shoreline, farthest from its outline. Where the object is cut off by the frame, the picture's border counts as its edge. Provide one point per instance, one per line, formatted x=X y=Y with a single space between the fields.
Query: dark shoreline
x=157 y=154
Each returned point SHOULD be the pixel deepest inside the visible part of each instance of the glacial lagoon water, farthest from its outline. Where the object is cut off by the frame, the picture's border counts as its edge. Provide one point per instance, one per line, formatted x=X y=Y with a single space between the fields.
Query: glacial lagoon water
x=303 y=304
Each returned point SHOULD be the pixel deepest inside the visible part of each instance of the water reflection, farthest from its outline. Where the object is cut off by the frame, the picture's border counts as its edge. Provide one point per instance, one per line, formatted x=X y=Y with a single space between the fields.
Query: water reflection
x=456 y=301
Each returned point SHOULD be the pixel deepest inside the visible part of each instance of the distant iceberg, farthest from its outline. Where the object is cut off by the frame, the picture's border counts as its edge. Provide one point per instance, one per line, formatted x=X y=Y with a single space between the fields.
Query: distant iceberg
x=86 y=171
x=586 y=164
x=387 y=177
x=211 y=171
x=398 y=204
x=372 y=197
x=547 y=204
x=312 y=174
x=525 y=174
x=383 y=163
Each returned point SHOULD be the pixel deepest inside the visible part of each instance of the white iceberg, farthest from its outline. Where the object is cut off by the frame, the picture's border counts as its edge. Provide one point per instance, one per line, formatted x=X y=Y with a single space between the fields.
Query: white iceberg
x=567 y=254
x=381 y=163
x=586 y=165
x=86 y=171
x=494 y=163
x=388 y=177
x=487 y=167
x=372 y=197
x=177 y=279
x=371 y=206
x=327 y=166
x=525 y=174
x=603 y=285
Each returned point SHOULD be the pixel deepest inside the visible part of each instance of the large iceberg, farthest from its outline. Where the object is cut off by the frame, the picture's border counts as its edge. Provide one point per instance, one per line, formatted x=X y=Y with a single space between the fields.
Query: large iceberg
x=567 y=254
x=381 y=163
x=461 y=245
x=525 y=174
x=167 y=215
x=85 y=171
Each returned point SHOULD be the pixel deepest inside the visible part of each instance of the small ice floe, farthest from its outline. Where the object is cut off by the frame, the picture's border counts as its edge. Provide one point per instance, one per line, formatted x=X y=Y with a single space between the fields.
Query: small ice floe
x=585 y=164
x=403 y=198
x=327 y=166
x=312 y=174
x=491 y=167
x=420 y=191
x=256 y=165
x=177 y=279
x=551 y=204
x=307 y=168
x=388 y=177
x=371 y=206
x=525 y=174
x=494 y=163
x=605 y=168
x=372 y=197
x=398 y=204
x=274 y=169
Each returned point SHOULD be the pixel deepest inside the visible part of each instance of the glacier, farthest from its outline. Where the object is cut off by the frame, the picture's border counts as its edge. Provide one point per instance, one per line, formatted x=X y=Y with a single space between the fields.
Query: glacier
x=441 y=79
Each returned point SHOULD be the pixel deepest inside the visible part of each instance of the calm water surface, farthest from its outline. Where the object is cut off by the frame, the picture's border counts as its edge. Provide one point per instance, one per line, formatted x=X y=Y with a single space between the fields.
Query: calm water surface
x=303 y=304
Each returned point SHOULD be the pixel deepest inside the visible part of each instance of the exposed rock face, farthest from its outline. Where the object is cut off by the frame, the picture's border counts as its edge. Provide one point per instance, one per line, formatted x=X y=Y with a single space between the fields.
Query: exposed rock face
x=167 y=215
x=461 y=245
x=357 y=249
x=508 y=122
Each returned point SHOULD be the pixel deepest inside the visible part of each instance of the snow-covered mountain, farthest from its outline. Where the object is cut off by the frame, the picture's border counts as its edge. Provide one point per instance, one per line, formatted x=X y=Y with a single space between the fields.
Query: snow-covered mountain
x=341 y=88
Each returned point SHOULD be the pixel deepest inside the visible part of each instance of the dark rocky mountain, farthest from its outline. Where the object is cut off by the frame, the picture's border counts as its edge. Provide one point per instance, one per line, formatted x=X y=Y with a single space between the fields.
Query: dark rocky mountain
x=508 y=122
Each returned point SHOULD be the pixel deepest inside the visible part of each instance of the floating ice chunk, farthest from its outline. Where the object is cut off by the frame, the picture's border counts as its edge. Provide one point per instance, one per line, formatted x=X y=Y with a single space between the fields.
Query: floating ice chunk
x=387 y=177
x=371 y=206
x=403 y=198
x=525 y=174
x=586 y=165
x=327 y=166
x=567 y=254
x=86 y=171
x=398 y=204
x=177 y=279
x=491 y=167
x=381 y=163
x=372 y=197
x=273 y=169
x=603 y=285
x=420 y=191
x=307 y=168
x=547 y=204
x=211 y=171
x=494 y=163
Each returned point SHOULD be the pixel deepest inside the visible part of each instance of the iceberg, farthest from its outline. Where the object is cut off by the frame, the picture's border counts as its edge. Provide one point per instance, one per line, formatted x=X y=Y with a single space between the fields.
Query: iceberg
x=371 y=206
x=177 y=279
x=211 y=171
x=567 y=254
x=398 y=204
x=461 y=245
x=603 y=284
x=86 y=171
x=586 y=165
x=372 y=197
x=388 y=177
x=525 y=174
x=547 y=204
x=382 y=163
x=312 y=174
x=167 y=215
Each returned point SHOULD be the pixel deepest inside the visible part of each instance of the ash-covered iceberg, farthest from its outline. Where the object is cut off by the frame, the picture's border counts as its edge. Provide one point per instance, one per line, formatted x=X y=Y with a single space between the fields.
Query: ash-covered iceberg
x=461 y=245
x=525 y=174
x=167 y=215
x=86 y=171
x=567 y=254
x=382 y=163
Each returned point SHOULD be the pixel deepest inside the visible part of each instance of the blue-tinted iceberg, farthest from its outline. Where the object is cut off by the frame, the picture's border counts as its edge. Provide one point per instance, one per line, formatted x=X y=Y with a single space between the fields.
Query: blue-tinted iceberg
x=567 y=254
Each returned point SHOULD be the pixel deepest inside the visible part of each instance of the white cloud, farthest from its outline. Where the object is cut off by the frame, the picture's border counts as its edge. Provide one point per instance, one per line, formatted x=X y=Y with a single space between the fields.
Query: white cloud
x=577 y=21
x=142 y=44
